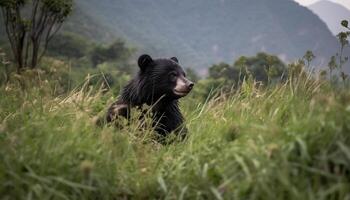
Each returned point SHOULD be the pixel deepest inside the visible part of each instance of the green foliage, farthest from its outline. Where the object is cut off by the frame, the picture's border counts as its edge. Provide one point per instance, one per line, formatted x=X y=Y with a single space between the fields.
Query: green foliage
x=209 y=88
x=74 y=53
x=308 y=57
x=12 y=3
x=53 y=78
x=332 y=65
x=287 y=141
x=115 y=75
x=343 y=38
x=339 y=60
x=262 y=67
x=69 y=45
x=345 y=23
x=115 y=51
x=192 y=75
x=223 y=70
x=60 y=8
x=30 y=26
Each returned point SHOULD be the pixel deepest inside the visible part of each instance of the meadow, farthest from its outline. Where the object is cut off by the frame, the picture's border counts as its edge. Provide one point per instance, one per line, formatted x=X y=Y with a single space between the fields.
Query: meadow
x=289 y=140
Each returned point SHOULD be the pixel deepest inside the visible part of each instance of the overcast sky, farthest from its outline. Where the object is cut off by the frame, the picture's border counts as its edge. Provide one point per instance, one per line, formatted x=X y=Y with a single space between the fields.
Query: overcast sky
x=308 y=2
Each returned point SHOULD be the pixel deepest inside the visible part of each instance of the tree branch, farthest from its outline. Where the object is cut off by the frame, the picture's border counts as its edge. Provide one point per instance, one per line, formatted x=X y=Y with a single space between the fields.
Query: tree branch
x=21 y=31
x=6 y=17
x=50 y=35
x=37 y=25
x=34 y=13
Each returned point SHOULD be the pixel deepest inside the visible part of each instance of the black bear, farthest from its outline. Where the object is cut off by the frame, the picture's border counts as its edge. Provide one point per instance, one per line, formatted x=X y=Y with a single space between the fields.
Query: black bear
x=159 y=84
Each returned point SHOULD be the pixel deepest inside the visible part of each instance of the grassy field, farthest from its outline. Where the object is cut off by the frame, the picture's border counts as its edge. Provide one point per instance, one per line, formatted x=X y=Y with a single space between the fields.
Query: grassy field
x=286 y=141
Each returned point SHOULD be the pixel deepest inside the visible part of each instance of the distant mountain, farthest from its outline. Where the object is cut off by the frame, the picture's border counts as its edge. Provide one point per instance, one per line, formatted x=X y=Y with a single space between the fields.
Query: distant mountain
x=331 y=13
x=203 y=32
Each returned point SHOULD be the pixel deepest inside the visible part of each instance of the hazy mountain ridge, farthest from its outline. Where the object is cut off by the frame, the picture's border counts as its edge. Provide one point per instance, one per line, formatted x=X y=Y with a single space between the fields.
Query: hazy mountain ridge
x=331 y=13
x=202 y=32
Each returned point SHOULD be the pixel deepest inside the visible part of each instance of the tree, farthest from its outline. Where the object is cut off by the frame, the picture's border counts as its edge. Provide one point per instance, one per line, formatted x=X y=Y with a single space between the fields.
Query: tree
x=308 y=57
x=223 y=70
x=262 y=67
x=332 y=65
x=31 y=26
x=115 y=51
x=344 y=42
x=69 y=45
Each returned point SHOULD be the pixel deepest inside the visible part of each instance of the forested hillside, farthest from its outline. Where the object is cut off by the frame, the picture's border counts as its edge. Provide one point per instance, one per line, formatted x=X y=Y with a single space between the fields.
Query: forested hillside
x=205 y=32
x=202 y=32
x=82 y=23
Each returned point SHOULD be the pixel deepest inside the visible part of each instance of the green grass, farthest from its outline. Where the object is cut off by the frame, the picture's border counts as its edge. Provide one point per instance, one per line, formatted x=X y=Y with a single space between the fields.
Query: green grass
x=288 y=141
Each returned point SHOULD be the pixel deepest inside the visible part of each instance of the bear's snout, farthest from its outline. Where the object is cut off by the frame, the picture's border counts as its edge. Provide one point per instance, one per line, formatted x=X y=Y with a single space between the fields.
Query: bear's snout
x=190 y=85
x=183 y=86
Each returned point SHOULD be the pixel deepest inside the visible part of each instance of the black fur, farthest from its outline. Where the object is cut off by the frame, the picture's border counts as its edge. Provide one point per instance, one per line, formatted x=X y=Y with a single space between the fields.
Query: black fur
x=154 y=85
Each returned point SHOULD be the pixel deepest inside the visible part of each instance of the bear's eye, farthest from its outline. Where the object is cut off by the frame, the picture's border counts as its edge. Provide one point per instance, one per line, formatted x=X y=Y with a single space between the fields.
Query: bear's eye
x=173 y=76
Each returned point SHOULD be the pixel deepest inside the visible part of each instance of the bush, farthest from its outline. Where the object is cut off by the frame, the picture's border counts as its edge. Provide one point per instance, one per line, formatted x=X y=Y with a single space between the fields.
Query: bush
x=69 y=45
x=116 y=51
x=263 y=68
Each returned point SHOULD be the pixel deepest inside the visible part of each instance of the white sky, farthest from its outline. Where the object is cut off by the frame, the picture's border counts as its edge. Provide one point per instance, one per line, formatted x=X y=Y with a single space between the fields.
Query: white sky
x=346 y=3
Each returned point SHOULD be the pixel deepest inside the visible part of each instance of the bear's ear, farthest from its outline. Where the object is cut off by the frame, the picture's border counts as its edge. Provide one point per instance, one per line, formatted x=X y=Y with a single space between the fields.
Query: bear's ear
x=175 y=59
x=144 y=61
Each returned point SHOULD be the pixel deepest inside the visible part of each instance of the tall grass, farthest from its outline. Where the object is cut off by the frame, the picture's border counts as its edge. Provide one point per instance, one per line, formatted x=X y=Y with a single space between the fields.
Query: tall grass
x=286 y=141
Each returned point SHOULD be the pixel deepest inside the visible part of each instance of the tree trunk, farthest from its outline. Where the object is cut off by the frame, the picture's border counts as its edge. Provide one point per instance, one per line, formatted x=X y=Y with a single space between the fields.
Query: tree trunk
x=20 y=47
x=35 y=54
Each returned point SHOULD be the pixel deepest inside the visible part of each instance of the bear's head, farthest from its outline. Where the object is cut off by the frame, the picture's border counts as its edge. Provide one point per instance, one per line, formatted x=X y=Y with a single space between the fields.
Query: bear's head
x=163 y=77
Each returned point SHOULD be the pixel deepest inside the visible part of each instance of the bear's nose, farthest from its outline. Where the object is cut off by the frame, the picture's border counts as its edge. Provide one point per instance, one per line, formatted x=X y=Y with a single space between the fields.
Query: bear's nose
x=190 y=85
